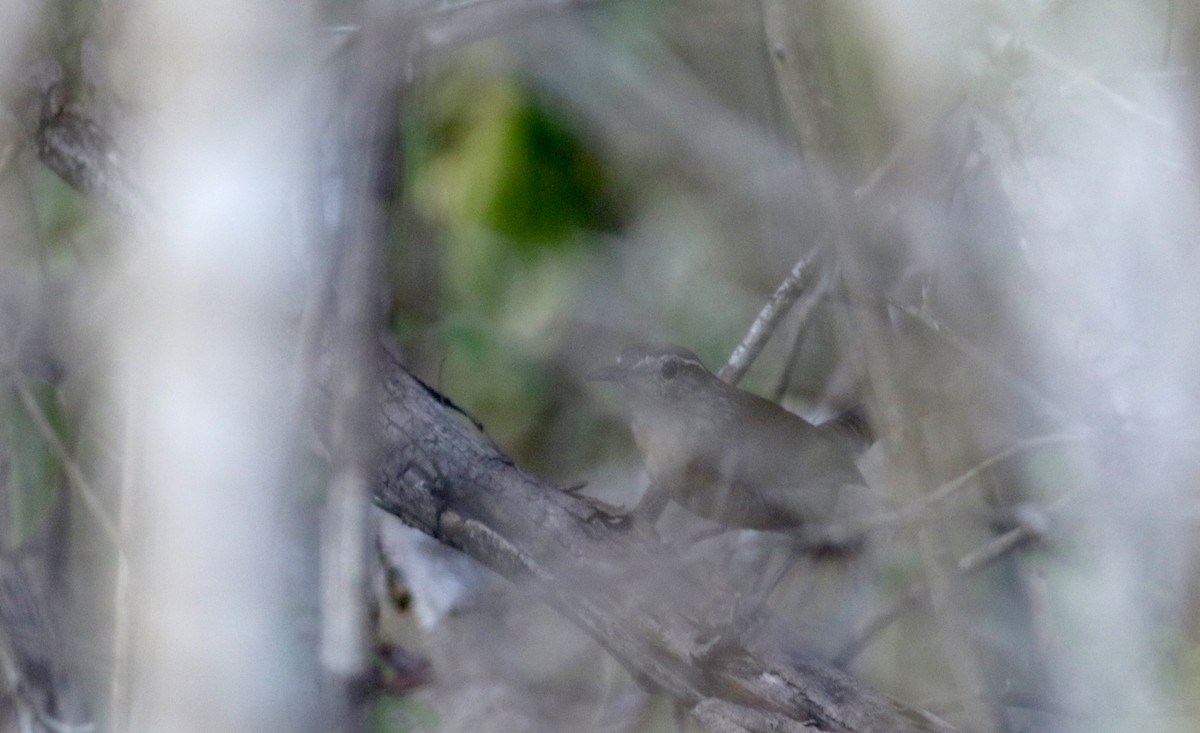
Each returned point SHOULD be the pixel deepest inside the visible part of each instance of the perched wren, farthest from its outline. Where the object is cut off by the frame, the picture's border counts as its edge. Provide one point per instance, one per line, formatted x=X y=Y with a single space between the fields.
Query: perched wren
x=726 y=454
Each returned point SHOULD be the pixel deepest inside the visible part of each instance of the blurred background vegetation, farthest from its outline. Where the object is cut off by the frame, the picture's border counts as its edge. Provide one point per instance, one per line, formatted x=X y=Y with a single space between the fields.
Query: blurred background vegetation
x=1019 y=182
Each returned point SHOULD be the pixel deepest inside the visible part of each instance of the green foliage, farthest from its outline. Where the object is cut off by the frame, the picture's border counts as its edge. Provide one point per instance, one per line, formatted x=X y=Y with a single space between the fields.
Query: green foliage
x=547 y=185
x=517 y=198
x=486 y=154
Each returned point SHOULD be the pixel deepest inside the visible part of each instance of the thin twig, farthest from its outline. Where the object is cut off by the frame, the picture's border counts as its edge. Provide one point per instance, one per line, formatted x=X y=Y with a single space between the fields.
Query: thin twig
x=915 y=512
x=77 y=479
x=768 y=320
x=978 y=559
x=789 y=290
x=952 y=487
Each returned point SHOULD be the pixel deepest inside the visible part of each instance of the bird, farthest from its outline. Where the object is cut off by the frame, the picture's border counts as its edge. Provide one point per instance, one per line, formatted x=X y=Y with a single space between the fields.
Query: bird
x=727 y=454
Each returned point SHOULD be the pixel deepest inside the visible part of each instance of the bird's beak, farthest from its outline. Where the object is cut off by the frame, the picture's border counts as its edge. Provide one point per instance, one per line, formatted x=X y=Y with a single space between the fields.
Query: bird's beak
x=610 y=373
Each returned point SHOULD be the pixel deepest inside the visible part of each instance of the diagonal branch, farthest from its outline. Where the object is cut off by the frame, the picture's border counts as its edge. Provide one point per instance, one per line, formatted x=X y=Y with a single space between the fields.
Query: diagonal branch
x=610 y=576
x=769 y=318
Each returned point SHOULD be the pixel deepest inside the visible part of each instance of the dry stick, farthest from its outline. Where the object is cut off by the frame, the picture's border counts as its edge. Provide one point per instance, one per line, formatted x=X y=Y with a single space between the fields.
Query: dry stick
x=915 y=512
x=443 y=477
x=82 y=153
x=360 y=240
x=77 y=479
x=978 y=559
x=789 y=290
x=952 y=487
x=92 y=501
x=1044 y=406
x=968 y=679
x=768 y=320
x=837 y=206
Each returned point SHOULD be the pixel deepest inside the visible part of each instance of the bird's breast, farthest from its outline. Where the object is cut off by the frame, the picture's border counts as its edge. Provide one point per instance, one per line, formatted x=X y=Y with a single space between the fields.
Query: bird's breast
x=665 y=449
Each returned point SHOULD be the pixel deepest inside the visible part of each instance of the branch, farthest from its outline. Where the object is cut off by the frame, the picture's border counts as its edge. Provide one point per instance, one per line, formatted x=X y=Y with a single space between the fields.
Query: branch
x=83 y=154
x=610 y=576
x=768 y=320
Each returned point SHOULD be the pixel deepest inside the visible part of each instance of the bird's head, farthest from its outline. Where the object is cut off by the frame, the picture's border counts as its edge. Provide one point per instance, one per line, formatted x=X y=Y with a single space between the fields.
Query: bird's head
x=657 y=375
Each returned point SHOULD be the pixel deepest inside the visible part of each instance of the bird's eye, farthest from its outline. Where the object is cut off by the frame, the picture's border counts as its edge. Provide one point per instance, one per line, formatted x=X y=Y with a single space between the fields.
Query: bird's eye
x=670 y=369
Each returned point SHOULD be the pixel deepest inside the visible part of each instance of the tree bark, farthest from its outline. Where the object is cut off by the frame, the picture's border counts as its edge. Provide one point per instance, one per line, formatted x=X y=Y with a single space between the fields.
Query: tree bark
x=609 y=575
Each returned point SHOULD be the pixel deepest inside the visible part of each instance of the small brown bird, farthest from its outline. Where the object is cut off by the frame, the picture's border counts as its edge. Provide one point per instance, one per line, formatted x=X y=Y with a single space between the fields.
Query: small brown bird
x=729 y=455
